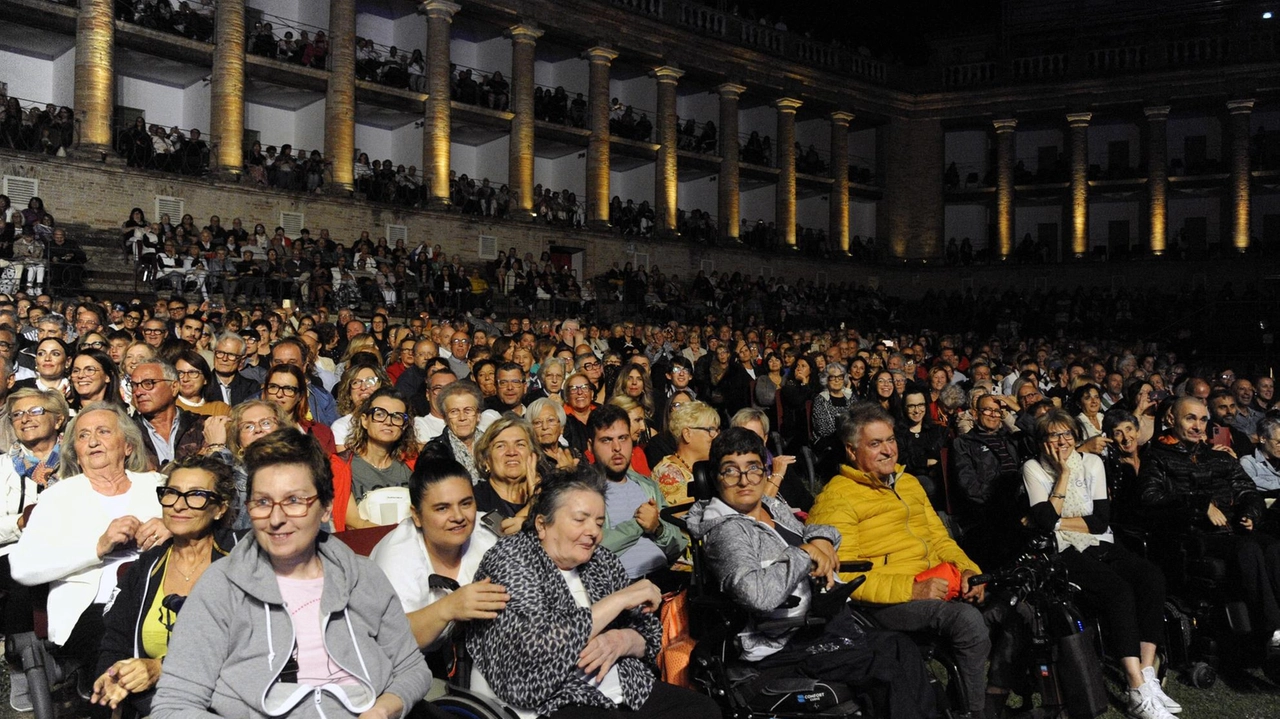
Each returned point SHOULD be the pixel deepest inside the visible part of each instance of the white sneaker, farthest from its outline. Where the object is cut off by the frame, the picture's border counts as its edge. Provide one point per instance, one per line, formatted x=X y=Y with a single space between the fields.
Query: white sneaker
x=1151 y=687
x=1145 y=706
x=19 y=698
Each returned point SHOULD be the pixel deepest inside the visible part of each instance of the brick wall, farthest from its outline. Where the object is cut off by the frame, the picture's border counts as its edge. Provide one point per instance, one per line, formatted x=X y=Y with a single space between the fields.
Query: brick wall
x=910 y=224
x=98 y=195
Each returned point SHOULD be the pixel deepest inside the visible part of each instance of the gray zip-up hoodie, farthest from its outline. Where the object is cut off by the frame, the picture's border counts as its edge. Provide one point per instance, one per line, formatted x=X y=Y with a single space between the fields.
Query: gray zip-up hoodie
x=755 y=567
x=234 y=636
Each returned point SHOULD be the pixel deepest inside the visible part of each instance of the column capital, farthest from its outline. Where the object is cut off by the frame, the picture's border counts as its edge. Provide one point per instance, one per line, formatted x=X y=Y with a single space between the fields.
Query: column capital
x=600 y=53
x=1240 y=107
x=840 y=117
x=524 y=32
x=439 y=9
x=787 y=105
x=1157 y=112
x=667 y=73
x=1079 y=119
x=1005 y=125
x=731 y=90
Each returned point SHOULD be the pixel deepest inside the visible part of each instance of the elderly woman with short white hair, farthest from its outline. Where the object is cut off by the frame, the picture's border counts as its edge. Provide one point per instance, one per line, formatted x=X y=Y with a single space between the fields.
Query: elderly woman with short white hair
x=99 y=516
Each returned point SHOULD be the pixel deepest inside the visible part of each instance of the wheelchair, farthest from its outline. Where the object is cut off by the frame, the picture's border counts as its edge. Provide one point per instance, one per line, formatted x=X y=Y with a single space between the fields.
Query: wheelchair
x=745 y=692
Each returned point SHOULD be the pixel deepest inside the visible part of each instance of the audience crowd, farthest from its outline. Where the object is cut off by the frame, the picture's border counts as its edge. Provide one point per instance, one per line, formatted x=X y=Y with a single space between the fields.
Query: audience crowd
x=50 y=130
x=193 y=19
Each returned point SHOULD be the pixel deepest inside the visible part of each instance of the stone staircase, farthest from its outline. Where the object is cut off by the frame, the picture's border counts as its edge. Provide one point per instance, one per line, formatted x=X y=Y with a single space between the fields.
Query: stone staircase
x=109 y=272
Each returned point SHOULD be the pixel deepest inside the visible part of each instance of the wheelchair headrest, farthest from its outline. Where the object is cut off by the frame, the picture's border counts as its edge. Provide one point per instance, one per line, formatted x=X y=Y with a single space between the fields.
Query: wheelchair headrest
x=704 y=481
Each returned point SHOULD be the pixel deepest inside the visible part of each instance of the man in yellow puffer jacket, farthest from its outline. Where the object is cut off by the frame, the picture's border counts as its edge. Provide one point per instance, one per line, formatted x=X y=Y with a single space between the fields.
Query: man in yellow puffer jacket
x=884 y=517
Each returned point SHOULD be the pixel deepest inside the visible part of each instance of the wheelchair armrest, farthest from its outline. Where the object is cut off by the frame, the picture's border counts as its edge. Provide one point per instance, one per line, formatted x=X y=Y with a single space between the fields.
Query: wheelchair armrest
x=774 y=626
x=669 y=514
x=862 y=566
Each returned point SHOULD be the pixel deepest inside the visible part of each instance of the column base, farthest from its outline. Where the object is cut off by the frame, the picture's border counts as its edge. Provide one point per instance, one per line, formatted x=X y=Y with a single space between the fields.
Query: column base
x=439 y=203
x=228 y=174
x=337 y=189
x=599 y=225
x=93 y=153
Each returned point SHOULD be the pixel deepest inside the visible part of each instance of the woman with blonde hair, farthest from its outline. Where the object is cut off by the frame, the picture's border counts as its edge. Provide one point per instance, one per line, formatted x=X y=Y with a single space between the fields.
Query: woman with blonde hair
x=364 y=342
x=694 y=425
x=507 y=457
x=633 y=381
x=363 y=376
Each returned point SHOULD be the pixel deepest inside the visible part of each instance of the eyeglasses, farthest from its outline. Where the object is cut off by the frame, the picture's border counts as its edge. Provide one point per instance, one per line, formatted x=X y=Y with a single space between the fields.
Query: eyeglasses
x=227 y=356
x=190 y=374
x=914 y=405
x=367 y=382
x=152 y=330
x=459 y=341
x=732 y=476
x=510 y=382
x=396 y=419
x=711 y=431
x=147 y=384
x=679 y=370
x=992 y=411
x=18 y=414
x=93 y=345
x=266 y=426
x=262 y=508
x=579 y=388
x=591 y=365
x=461 y=412
x=85 y=371
x=195 y=498
x=282 y=390
x=6 y=345
x=1058 y=436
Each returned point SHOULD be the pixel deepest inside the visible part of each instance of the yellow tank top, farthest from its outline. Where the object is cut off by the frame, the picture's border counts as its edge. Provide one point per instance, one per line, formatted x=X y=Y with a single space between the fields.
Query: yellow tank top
x=157 y=623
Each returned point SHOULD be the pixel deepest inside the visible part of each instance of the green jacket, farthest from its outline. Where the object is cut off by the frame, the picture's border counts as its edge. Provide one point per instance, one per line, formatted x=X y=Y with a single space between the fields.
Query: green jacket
x=620 y=538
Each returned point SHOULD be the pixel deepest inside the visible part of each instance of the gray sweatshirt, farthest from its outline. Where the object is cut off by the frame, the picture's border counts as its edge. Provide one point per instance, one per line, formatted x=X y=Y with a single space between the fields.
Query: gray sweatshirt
x=234 y=636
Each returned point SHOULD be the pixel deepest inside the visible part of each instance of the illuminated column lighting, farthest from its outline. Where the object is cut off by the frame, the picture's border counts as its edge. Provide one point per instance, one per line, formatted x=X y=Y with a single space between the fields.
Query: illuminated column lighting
x=1004 y=185
x=1158 y=176
x=1240 y=177
x=436 y=127
x=226 y=88
x=839 y=223
x=727 y=195
x=524 y=40
x=786 y=157
x=340 y=99
x=95 y=75
x=600 y=59
x=667 y=180
x=1078 y=127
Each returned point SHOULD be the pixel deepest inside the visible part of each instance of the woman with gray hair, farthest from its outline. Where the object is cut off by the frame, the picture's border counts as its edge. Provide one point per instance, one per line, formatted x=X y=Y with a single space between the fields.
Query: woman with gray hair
x=551 y=375
x=461 y=405
x=547 y=417
x=831 y=403
x=101 y=515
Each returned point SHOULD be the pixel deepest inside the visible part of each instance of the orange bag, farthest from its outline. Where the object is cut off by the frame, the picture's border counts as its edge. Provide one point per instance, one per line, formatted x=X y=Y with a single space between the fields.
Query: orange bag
x=947 y=571
x=677 y=644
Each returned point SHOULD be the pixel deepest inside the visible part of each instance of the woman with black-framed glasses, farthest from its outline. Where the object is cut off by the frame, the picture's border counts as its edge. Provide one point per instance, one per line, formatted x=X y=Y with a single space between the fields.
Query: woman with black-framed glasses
x=198 y=503
x=286 y=386
x=381 y=452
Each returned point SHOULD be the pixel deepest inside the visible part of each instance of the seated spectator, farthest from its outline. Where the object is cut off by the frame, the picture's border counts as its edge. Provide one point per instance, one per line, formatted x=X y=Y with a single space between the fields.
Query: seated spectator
x=221 y=661
x=362 y=377
x=547 y=417
x=832 y=403
x=884 y=515
x=694 y=425
x=460 y=403
x=443 y=523
x=289 y=388
x=101 y=514
x=508 y=463
x=645 y=543
x=1067 y=492
x=94 y=378
x=194 y=378
x=764 y=559
x=169 y=433
x=987 y=462
x=381 y=451
x=198 y=504
x=52 y=358
x=569 y=600
x=1263 y=466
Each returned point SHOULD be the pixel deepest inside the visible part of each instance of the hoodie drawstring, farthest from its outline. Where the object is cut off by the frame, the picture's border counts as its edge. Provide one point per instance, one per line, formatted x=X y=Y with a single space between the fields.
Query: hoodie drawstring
x=271 y=649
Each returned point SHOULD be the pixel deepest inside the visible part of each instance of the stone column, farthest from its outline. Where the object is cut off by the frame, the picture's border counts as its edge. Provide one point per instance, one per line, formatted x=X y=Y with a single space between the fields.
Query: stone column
x=1158 y=176
x=727 y=188
x=436 y=128
x=1078 y=128
x=95 y=76
x=226 y=89
x=666 y=186
x=1004 y=185
x=1240 y=177
x=785 y=149
x=520 y=166
x=340 y=99
x=600 y=58
x=839 y=205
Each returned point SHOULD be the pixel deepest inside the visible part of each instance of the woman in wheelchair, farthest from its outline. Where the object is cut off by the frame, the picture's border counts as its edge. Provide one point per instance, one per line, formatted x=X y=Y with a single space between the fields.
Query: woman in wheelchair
x=1067 y=491
x=575 y=639
x=770 y=564
x=431 y=560
x=198 y=502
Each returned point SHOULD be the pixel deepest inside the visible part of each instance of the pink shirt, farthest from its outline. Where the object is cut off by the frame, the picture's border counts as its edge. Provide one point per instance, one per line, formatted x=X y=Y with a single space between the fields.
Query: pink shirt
x=302 y=599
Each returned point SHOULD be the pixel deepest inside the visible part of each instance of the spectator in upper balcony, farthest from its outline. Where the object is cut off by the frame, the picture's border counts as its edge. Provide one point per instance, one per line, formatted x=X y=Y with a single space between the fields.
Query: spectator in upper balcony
x=417 y=69
x=317 y=52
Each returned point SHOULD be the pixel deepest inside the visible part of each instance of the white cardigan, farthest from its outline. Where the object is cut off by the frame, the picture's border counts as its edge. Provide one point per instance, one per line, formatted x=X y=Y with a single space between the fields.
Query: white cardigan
x=60 y=544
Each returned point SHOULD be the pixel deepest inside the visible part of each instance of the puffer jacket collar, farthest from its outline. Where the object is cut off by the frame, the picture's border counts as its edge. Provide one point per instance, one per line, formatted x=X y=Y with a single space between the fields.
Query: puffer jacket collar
x=869 y=480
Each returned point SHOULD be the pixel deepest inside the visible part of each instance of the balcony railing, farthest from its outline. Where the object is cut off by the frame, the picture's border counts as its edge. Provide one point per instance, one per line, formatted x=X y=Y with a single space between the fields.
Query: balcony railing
x=36 y=127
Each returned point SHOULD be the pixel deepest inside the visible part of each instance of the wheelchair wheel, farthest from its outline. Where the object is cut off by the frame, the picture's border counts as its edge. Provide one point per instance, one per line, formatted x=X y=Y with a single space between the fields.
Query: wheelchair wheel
x=455 y=705
x=1201 y=675
x=38 y=686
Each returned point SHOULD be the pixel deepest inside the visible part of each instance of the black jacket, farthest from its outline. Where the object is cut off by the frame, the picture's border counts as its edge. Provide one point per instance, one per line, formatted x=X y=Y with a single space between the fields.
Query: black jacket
x=1178 y=481
x=242 y=389
x=187 y=440
x=122 y=622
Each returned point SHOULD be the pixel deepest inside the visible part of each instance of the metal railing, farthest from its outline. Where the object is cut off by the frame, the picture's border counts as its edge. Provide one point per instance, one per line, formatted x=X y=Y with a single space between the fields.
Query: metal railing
x=197 y=22
x=689 y=136
x=375 y=64
x=634 y=123
x=33 y=126
x=483 y=94
x=760 y=154
x=548 y=108
x=286 y=40
x=174 y=150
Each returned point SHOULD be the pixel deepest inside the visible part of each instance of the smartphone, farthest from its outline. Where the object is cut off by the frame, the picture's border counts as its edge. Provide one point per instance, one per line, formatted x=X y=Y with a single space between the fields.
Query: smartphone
x=1221 y=437
x=493 y=521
